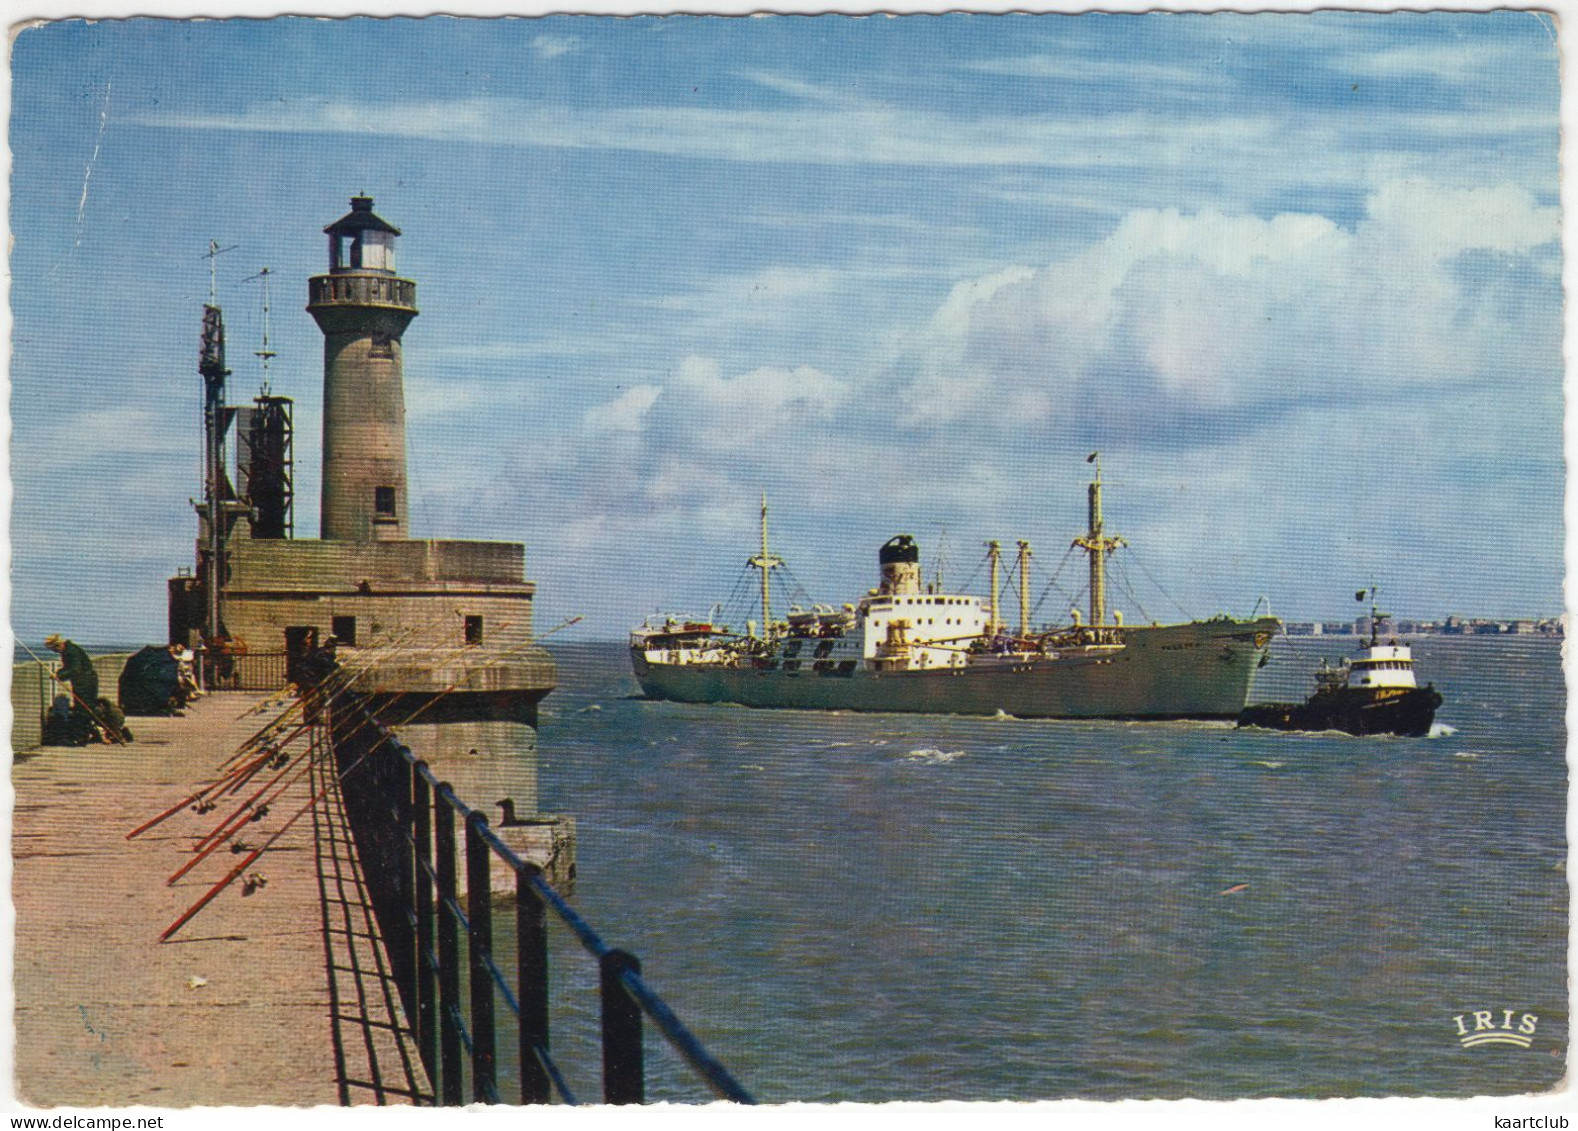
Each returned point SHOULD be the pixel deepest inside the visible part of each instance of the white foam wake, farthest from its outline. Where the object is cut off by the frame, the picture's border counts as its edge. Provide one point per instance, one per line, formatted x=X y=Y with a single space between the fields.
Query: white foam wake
x=933 y=756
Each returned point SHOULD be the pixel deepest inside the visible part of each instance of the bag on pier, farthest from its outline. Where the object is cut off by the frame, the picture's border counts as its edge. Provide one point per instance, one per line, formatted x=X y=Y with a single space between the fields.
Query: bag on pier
x=66 y=725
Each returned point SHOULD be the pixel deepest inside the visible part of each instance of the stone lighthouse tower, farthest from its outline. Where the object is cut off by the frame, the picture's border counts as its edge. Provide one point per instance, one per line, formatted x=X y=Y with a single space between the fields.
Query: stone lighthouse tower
x=437 y=623
x=363 y=308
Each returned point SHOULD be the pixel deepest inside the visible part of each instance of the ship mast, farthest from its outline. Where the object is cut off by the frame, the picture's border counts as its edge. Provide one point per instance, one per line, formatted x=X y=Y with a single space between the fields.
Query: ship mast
x=1024 y=588
x=994 y=553
x=1098 y=546
x=1374 y=593
x=765 y=562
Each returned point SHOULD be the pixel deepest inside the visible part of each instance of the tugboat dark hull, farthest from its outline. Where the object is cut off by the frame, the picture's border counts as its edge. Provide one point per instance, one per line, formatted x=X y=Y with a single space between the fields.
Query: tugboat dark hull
x=1408 y=712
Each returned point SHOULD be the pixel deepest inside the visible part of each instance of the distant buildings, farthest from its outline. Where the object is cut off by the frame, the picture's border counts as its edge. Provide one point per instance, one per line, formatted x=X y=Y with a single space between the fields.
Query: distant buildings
x=1553 y=627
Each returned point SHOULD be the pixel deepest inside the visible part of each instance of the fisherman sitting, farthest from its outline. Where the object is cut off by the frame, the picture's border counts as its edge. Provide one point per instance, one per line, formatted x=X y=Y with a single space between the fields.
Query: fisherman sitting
x=188 y=688
x=110 y=724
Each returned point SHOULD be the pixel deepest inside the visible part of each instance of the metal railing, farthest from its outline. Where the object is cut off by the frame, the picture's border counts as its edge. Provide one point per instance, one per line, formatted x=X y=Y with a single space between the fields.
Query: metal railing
x=408 y=822
x=246 y=671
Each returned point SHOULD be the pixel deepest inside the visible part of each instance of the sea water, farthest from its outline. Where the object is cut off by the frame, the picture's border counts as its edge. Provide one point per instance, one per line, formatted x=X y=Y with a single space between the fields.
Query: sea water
x=907 y=907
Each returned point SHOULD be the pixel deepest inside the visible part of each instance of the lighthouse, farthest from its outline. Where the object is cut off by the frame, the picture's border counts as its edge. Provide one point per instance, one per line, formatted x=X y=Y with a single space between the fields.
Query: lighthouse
x=444 y=625
x=363 y=309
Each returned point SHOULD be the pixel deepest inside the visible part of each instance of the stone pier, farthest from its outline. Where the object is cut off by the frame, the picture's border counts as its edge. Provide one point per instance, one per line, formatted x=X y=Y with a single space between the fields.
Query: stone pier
x=273 y=994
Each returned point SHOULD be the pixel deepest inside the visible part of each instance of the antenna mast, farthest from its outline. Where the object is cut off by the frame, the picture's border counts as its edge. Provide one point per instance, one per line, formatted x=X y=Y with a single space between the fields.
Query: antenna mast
x=264 y=354
x=941 y=556
x=213 y=253
x=211 y=365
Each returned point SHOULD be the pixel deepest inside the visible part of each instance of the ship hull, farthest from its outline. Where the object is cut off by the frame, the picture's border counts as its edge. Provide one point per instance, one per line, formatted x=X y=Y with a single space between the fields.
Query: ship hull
x=1202 y=670
x=1408 y=713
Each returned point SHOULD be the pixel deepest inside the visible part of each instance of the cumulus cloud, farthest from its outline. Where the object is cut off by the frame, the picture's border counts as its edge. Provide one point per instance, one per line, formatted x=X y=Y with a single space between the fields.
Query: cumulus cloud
x=1173 y=315
x=625 y=412
x=1207 y=351
x=1434 y=222
x=741 y=410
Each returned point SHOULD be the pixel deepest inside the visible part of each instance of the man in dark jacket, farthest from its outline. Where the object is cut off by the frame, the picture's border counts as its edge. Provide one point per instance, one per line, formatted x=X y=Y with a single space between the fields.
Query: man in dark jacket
x=76 y=669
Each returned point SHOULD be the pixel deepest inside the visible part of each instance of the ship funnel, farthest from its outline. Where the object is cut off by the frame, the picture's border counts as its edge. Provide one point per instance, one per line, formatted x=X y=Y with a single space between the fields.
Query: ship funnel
x=899 y=559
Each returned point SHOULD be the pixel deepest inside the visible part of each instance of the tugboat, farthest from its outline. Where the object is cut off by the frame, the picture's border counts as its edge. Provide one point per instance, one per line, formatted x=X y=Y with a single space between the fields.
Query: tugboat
x=1374 y=693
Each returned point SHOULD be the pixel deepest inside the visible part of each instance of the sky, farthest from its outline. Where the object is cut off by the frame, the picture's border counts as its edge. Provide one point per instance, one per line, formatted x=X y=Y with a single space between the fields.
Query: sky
x=1296 y=276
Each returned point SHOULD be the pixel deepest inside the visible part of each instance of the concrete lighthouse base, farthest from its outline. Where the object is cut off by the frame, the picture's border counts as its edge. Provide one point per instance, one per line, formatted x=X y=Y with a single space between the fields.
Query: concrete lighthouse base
x=445 y=621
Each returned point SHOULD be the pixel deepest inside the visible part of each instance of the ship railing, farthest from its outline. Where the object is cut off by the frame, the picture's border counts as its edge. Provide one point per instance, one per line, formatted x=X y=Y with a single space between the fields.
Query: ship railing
x=456 y=1033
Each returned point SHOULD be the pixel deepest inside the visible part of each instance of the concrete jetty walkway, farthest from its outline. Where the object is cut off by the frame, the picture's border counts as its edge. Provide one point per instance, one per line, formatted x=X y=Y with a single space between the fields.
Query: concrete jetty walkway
x=279 y=996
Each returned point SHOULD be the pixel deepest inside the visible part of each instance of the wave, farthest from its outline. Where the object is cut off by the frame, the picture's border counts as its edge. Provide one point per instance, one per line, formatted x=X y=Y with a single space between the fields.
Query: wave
x=933 y=756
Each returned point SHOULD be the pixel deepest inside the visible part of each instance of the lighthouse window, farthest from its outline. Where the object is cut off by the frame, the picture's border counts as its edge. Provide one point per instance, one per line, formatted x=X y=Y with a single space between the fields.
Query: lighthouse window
x=382 y=345
x=384 y=501
x=473 y=630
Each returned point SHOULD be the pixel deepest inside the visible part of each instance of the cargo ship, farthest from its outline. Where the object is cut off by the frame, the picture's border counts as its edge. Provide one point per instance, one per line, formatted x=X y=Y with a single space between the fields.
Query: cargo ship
x=909 y=647
x=1375 y=692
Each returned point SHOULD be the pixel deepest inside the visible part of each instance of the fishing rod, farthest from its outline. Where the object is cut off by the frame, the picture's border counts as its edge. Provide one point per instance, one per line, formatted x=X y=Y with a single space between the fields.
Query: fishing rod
x=350 y=672
x=373 y=656
x=282 y=763
x=242 y=772
x=242 y=817
x=532 y=643
x=346 y=684
x=252 y=857
x=246 y=863
x=334 y=780
x=228 y=781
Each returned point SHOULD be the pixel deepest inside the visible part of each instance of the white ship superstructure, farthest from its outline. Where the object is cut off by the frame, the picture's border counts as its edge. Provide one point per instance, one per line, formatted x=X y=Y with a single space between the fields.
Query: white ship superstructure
x=905 y=646
x=1382 y=665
